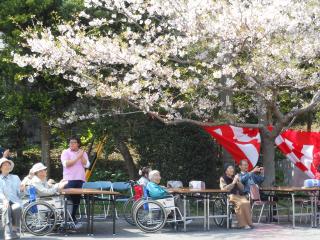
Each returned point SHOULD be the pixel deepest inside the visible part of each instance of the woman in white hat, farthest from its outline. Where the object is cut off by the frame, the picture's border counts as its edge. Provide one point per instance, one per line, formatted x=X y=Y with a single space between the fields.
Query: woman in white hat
x=39 y=181
x=10 y=195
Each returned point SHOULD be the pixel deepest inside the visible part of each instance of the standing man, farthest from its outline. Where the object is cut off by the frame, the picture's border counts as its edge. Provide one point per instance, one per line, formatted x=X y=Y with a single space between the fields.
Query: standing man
x=74 y=161
x=10 y=196
x=256 y=176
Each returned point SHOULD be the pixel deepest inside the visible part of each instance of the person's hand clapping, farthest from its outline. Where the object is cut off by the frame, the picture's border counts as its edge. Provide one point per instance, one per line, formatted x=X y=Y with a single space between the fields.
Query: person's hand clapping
x=236 y=178
x=80 y=154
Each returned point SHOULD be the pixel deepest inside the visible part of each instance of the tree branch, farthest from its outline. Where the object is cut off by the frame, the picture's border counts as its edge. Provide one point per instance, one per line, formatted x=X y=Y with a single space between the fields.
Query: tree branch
x=294 y=113
x=194 y=122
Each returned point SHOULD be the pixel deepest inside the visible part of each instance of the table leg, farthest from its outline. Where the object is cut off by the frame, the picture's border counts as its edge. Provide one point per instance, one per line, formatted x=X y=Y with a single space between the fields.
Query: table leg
x=314 y=210
x=228 y=212
x=270 y=199
x=293 y=211
x=92 y=214
x=65 y=215
x=88 y=214
x=114 y=215
x=205 y=213
x=184 y=213
x=208 y=212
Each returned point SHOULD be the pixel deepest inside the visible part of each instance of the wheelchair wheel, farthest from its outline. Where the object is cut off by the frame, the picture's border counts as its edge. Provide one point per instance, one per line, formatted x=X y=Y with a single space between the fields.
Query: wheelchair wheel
x=149 y=215
x=219 y=208
x=39 y=218
x=127 y=211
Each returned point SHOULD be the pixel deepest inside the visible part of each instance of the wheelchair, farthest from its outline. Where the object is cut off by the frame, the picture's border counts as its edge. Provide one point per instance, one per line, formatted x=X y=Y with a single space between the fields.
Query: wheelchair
x=41 y=216
x=151 y=215
x=129 y=205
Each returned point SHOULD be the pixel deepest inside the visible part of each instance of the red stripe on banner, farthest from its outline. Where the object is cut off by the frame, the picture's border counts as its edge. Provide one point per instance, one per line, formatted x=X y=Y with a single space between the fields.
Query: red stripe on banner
x=284 y=148
x=302 y=140
x=301 y=166
x=228 y=141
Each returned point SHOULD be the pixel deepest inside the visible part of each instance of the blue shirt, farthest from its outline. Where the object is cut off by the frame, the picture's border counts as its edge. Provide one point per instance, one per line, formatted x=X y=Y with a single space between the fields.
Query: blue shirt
x=248 y=179
x=10 y=188
x=156 y=191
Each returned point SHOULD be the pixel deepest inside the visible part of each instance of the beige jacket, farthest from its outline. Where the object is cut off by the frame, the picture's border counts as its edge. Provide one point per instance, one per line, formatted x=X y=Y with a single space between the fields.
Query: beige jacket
x=43 y=188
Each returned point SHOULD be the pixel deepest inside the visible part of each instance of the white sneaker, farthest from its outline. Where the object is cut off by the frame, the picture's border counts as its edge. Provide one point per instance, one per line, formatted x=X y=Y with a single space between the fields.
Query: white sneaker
x=247 y=227
x=78 y=225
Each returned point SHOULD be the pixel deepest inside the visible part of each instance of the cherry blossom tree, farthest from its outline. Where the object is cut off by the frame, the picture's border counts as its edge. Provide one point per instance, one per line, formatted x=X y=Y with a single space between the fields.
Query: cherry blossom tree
x=174 y=59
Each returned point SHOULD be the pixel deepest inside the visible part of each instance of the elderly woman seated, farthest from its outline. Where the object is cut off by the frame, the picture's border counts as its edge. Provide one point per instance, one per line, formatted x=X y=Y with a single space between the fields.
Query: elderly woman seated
x=232 y=183
x=39 y=181
x=155 y=190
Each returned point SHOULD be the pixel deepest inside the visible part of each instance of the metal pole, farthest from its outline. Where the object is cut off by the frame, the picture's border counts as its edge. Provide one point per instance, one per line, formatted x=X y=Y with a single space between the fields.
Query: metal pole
x=184 y=212
x=228 y=212
x=293 y=211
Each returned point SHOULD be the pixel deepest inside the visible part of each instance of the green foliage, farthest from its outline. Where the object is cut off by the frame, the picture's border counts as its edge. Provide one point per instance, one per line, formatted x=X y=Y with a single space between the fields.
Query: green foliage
x=182 y=152
x=21 y=100
x=113 y=171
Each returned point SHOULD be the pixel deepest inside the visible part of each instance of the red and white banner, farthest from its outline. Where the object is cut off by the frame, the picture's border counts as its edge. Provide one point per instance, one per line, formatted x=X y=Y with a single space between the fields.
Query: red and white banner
x=301 y=148
x=241 y=143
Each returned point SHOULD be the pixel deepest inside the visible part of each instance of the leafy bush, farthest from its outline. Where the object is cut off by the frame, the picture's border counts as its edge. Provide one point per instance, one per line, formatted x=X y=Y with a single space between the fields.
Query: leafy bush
x=184 y=152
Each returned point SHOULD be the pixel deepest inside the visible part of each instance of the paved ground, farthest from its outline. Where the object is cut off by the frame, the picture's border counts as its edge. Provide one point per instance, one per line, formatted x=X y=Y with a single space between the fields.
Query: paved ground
x=124 y=231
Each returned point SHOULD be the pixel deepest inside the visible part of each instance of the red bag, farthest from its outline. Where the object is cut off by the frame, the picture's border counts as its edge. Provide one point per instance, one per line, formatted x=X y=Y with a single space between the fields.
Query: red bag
x=138 y=192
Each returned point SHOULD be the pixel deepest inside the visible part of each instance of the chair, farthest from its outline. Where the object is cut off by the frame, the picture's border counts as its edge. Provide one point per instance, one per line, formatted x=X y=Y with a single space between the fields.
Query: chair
x=105 y=185
x=93 y=185
x=197 y=185
x=255 y=197
x=126 y=193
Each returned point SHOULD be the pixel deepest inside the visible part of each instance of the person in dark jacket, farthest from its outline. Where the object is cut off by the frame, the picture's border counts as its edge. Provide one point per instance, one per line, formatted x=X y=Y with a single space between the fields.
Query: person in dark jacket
x=231 y=182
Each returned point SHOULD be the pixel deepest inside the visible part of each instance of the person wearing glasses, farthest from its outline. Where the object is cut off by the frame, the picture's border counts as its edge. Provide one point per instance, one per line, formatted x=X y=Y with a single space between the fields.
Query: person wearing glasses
x=74 y=161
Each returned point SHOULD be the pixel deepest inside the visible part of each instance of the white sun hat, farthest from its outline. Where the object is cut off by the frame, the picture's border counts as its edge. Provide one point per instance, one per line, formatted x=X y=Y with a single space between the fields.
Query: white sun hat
x=2 y=160
x=38 y=167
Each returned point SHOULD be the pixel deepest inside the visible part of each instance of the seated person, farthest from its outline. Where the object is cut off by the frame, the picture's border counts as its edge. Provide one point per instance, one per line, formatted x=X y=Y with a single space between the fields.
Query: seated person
x=157 y=192
x=256 y=176
x=27 y=179
x=153 y=187
x=10 y=196
x=232 y=183
x=144 y=173
x=39 y=181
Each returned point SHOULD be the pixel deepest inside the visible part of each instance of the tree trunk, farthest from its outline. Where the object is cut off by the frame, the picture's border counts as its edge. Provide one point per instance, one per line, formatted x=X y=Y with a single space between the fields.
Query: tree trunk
x=309 y=121
x=124 y=150
x=268 y=158
x=20 y=140
x=226 y=97
x=45 y=145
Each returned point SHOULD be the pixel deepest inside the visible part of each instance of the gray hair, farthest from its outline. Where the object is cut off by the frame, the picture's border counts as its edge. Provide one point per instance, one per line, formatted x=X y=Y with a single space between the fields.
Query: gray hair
x=152 y=174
